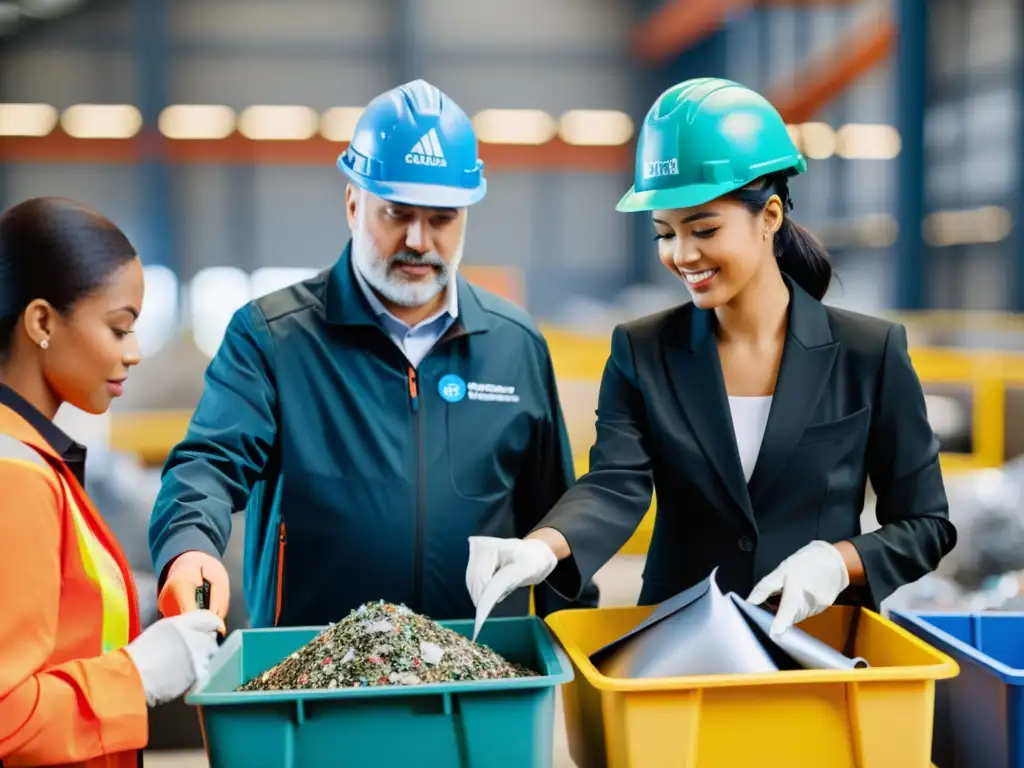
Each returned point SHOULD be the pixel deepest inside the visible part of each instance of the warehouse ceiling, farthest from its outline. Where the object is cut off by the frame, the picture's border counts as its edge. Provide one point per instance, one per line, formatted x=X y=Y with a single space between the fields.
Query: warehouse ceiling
x=19 y=15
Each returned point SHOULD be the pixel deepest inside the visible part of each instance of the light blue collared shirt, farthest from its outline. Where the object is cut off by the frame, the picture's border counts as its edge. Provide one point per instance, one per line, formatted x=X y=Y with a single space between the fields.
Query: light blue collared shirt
x=415 y=341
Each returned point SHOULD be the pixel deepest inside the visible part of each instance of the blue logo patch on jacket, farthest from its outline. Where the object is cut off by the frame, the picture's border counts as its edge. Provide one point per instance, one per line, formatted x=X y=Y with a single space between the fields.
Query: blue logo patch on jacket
x=451 y=388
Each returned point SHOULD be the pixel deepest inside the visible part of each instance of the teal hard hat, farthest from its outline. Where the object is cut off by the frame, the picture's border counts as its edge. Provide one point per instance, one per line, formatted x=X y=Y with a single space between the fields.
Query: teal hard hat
x=704 y=138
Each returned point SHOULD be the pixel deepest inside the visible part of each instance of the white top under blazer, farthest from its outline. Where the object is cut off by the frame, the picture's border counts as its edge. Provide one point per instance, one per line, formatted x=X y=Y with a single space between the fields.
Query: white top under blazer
x=749 y=419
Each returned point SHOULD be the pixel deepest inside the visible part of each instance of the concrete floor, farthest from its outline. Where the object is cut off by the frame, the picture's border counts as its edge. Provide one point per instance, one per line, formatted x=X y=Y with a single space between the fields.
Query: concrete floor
x=620 y=585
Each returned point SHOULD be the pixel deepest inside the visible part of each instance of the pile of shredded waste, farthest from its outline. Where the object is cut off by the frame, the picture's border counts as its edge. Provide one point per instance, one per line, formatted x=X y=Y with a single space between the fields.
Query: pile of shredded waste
x=384 y=644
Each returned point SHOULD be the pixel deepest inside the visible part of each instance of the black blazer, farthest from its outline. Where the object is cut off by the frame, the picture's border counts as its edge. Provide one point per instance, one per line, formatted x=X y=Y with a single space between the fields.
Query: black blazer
x=848 y=407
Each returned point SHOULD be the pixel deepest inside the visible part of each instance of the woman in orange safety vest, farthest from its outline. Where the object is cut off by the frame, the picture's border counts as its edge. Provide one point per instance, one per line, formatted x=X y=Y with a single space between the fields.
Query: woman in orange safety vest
x=76 y=674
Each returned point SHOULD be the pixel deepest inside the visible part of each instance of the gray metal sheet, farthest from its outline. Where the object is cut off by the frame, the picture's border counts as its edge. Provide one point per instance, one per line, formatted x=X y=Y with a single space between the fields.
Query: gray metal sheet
x=702 y=631
x=806 y=651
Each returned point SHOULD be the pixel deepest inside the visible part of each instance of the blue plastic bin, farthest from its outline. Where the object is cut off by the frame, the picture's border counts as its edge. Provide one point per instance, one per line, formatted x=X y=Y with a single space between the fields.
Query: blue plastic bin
x=979 y=720
x=475 y=724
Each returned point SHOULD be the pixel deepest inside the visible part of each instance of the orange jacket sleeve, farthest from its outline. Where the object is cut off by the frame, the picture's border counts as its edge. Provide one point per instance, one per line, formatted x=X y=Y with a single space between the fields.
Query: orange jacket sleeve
x=69 y=712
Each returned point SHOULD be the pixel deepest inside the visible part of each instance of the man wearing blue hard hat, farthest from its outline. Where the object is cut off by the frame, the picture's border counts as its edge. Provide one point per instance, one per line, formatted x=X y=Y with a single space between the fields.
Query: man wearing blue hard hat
x=370 y=419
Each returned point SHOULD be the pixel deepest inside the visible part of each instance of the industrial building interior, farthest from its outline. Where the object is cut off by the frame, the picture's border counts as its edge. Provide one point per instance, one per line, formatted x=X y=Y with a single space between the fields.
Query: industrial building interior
x=209 y=129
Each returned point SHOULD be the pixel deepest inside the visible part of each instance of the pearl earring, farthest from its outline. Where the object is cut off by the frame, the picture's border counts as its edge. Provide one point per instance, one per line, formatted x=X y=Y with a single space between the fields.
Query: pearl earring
x=45 y=343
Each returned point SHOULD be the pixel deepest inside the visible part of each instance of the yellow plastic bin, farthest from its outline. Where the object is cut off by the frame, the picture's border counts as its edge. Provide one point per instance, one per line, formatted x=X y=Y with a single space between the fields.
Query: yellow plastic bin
x=879 y=717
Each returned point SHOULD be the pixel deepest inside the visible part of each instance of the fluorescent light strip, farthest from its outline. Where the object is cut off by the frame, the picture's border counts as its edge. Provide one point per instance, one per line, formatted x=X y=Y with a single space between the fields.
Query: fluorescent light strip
x=514 y=126
x=27 y=119
x=197 y=121
x=278 y=123
x=596 y=127
x=101 y=121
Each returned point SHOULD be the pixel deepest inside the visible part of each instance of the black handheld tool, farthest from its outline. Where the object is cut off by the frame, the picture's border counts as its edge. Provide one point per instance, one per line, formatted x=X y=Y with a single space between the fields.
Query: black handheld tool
x=203 y=602
x=203 y=595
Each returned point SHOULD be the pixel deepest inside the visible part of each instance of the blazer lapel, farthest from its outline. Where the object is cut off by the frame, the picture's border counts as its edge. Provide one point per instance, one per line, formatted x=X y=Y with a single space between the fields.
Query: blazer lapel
x=696 y=375
x=807 y=360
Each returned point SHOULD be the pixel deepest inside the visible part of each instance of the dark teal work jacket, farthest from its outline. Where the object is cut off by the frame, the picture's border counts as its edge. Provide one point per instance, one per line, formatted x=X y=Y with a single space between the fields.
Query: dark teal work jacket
x=362 y=478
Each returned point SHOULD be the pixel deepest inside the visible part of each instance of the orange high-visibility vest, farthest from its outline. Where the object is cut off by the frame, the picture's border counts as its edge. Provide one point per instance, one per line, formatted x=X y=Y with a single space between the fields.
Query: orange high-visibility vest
x=69 y=693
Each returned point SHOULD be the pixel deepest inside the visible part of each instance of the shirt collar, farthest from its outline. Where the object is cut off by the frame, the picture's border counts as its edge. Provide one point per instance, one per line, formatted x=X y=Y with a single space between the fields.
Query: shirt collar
x=451 y=308
x=71 y=452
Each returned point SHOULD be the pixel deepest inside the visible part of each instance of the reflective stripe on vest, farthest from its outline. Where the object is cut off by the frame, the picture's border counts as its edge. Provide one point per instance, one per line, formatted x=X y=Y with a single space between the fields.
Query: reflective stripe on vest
x=12 y=449
x=97 y=563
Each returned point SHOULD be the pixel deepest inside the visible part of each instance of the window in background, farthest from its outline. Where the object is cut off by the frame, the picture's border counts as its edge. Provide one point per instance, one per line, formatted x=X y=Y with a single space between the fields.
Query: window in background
x=990 y=114
x=991 y=36
x=215 y=295
x=269 y=279
x=944 y=110
x=1013 y=435
x=946 y=22
x=158 y=323
x=988 y=174
x=951 y=414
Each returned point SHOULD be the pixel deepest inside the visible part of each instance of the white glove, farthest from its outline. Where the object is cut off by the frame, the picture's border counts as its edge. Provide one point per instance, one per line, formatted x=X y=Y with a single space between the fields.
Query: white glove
x=172 y=654
x=498 y=567
x=810 y=581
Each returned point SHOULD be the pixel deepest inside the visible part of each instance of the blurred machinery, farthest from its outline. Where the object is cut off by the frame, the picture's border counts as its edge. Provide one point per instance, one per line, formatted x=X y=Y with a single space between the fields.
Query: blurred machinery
x=985 y=571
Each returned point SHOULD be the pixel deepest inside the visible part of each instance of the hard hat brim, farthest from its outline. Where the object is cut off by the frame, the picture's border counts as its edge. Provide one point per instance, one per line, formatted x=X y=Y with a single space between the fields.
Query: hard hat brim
x=691 y=195
x=422 y=195
x=668 y=199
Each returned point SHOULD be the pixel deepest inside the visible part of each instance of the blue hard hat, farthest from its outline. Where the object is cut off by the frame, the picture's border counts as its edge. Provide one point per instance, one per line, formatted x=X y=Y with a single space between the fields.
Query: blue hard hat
x=416 y=146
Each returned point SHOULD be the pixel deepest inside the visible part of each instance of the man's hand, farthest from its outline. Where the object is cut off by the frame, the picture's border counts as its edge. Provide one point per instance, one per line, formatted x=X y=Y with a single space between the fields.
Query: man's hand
x=185 y=576
x=810 y=580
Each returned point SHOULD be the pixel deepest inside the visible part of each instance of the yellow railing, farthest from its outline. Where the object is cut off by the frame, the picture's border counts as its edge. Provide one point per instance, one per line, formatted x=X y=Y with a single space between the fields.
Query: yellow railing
x=987 y=375
x=579 y=361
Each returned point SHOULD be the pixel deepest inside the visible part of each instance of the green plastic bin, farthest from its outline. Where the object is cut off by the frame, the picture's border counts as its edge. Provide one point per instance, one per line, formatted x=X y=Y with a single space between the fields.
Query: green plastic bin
x=477 y=724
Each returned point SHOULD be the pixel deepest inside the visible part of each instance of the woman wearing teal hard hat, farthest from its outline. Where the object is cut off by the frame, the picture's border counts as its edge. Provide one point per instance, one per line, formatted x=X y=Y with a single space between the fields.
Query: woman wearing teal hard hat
x=756 y=413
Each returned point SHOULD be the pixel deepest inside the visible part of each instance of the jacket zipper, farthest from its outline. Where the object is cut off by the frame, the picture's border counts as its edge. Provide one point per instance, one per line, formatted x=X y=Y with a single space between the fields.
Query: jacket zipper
x=282 y=541
x=454 y=332
x=414 y=399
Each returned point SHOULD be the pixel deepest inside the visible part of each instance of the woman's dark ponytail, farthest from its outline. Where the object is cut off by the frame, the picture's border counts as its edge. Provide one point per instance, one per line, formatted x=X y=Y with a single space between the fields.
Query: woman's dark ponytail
x=800 y=254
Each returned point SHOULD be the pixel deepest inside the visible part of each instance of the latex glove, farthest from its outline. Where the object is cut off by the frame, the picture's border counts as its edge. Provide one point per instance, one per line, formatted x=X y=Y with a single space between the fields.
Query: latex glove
x=498 y=567
x=185 y=575
x=172 y=654
x=810 y=581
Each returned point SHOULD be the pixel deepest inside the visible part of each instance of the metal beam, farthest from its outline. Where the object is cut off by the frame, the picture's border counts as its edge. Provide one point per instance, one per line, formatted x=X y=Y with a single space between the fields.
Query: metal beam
x=671 y=28
x=152 y=59
x=546 y=278
x=353 y=52
x=824 y=79
x=1016 y=298
x=911 y=86
x=807 y=3
x=993 y=76
x=676 y=25
x=407 y=46
x=647 y=85
x=242 y=213
x=4 y=203
x=58 y=147
x=29 y=30
x=834 y=169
